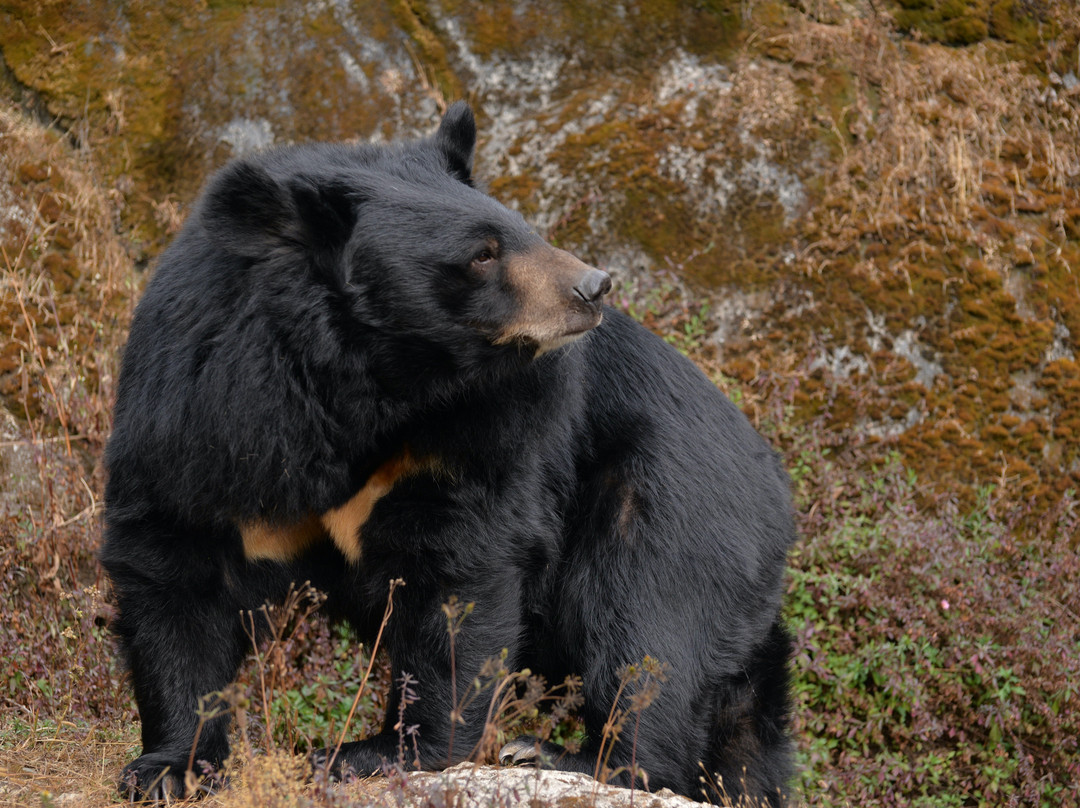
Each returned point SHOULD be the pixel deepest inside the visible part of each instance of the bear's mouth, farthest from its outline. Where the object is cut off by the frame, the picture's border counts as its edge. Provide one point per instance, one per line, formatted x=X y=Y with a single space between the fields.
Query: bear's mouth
x=566 y=339
x=580 y=322
x=542 y=336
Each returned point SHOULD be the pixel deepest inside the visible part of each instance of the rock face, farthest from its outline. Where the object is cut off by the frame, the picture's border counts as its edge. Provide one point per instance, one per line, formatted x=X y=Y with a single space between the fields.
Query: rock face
x=168 y=94
x=891 y=222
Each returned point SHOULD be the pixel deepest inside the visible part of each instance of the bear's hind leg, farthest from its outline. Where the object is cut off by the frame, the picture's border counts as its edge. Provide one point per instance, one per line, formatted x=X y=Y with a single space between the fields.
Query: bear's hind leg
x=751 y=753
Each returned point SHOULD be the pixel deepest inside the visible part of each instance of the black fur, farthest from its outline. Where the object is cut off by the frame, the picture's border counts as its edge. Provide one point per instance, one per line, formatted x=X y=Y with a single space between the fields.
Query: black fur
x=326 y=306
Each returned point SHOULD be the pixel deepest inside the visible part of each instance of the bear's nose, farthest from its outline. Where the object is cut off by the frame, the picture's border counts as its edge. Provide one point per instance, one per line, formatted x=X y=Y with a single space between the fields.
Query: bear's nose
x=593 y=285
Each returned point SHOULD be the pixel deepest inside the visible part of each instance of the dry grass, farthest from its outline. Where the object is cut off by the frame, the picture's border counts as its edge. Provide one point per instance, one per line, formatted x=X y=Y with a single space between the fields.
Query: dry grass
x=915 y=121
x=67 y=290
x=74 y=766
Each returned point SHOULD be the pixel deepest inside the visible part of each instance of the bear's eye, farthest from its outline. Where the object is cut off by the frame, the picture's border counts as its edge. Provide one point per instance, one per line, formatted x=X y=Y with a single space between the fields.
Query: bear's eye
x=484 y=258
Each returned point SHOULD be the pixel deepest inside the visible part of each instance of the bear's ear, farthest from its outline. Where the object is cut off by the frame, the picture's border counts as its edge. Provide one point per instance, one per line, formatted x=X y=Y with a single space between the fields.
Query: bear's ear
x=326 y=210
x=249 y=212
x=245 y=209
x=457 y=139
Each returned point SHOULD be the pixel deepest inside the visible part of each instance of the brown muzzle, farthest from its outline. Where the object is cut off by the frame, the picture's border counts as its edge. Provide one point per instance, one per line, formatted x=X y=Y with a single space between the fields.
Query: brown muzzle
x=559 y=297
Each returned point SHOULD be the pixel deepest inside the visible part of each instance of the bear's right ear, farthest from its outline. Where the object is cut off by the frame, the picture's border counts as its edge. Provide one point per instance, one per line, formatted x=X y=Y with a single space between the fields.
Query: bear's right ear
x=246 y=210
x=457 y=139
x=325 y=211
x=249 y=212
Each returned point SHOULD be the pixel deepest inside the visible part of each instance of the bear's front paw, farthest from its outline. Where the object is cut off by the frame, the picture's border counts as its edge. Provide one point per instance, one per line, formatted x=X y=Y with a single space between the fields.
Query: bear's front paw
x=525 y=750
x=158 y=777
x=331 y=763
x=153 y=778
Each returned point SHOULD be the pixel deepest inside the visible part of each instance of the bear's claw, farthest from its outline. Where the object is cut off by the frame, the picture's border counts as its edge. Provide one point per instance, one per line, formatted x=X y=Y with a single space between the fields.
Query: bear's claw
x=527 y=750
x=158 y=778
x=151 y=781
x=334 y=767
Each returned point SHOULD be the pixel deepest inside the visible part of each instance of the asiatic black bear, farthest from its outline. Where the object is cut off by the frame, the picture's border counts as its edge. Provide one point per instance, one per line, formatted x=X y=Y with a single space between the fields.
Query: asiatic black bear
x=353 y=366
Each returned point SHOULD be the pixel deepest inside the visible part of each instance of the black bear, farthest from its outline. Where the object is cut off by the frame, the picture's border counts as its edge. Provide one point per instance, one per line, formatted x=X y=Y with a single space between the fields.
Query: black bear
x=353 y=366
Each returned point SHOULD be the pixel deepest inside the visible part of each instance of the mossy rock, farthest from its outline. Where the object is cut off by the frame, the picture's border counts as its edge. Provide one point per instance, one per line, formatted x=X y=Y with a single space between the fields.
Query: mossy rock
x=952 y=22
x=1023 y=23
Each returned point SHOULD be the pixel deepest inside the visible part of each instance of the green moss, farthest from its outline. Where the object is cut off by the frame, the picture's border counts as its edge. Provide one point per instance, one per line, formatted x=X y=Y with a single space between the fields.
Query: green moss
x=597 y=37
x=952 y=22
x=965 y=30
x=1027 y=25
x=121 y=92
x=1014 y=22
x=152 y=85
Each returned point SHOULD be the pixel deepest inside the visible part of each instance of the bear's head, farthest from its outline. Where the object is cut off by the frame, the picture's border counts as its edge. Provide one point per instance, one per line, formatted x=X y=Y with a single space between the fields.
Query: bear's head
x=399 y=238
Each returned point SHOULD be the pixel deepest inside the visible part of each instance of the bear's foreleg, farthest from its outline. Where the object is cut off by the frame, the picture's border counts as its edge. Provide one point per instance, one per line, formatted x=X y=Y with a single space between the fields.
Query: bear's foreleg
x=436 y=727
x=179 y=628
